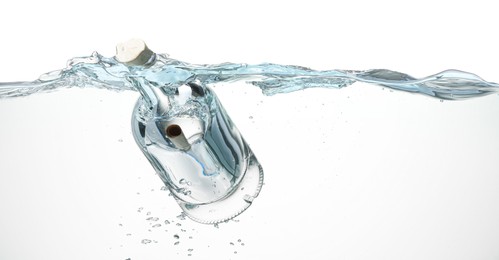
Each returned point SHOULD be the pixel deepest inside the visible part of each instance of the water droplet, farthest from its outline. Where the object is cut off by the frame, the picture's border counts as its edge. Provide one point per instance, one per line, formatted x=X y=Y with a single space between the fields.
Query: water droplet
x=185 y=191
x=120 y=224
x=128 y=234
x=167 y=222
x=146 y=241
x=190 y=249
x=183 y=182
x=152 y=219
x=176 y=236
x=216 y=226
x=176 y=243
x=148 y=213
x=189 y=254
x=178 y=224
x=156 y=226
x=163 y=188
x=250 y=117
x=239 y=240
x=140 y=209
x=190 y=237
x=441 y=100
x=242 y=244
x=235 y=252
x=181 y=216
x=231 y=243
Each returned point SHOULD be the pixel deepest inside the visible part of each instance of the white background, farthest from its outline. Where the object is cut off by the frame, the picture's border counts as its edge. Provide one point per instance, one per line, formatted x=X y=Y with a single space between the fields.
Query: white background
x=357 y=173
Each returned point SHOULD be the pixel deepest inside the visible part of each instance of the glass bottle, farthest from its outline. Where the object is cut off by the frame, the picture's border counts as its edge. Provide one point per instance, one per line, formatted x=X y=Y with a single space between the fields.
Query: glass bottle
x=196 y=150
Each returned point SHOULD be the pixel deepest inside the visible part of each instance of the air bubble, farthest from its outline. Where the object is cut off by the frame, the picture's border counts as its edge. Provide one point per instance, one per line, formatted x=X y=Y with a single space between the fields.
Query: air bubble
x=181 y=216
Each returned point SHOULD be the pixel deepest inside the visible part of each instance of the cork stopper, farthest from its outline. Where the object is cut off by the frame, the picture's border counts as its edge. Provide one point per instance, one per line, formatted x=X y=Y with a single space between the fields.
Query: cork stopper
x=134 y=52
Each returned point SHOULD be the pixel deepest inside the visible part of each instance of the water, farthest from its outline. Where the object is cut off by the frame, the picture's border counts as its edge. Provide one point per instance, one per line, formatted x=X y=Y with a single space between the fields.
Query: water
x=97 y=71
x=182 y=240
x=184 y=131
x=146 y=241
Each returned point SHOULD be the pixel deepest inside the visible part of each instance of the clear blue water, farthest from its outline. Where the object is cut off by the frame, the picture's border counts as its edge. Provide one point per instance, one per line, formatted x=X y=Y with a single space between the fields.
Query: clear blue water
x=207 y=166
x=101 y=72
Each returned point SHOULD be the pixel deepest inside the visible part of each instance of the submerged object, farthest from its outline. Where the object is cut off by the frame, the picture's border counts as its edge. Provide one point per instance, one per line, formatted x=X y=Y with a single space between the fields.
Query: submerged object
x=205 y=163
x=193 y=145
x=185 y=133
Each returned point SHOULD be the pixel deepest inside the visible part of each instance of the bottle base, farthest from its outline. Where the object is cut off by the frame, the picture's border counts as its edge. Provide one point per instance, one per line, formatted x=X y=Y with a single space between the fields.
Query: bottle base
x=232 y=205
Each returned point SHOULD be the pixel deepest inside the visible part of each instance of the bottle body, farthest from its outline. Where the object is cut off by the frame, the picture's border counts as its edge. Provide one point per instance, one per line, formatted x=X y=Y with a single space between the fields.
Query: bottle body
x=199 y=154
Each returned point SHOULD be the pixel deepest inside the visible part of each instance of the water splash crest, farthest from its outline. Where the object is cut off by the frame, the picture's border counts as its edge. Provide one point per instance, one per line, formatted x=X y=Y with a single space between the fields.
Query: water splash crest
x=101 y=72
x=183 y=130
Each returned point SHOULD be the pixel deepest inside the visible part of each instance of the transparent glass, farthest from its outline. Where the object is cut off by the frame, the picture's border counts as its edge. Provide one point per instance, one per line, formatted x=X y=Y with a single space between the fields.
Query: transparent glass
x=197 y=152
x=188 y=137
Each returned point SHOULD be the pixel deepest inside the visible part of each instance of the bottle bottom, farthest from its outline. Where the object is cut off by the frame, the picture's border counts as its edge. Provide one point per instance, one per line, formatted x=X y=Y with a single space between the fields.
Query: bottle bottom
x=233 y=204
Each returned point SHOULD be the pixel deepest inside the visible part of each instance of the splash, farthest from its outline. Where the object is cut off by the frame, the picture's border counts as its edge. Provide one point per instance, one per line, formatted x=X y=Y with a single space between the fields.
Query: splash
x=183 y=130
x=97 y=71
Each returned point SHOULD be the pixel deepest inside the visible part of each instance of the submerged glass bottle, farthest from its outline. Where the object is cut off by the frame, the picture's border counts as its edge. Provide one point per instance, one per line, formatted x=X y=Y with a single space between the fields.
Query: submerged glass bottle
x=196 y=150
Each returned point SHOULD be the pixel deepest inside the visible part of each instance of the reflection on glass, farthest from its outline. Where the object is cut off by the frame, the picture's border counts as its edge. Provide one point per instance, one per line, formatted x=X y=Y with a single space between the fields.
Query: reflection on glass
x=185 y=133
